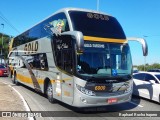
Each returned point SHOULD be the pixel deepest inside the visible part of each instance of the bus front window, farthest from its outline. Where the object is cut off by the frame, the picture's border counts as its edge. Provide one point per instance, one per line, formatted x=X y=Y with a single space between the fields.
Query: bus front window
x=104 y=59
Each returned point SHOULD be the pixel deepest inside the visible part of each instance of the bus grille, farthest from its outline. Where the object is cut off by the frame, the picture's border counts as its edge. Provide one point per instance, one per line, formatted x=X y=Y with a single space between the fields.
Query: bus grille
x=108 y=94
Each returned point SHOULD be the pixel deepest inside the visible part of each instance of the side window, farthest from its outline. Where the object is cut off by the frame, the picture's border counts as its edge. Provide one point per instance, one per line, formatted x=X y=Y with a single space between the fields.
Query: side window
x=38 y=61
x=43 y=62
x=140 y=76
x=35 y=64
x=25 y=37
x=67 y=60
x=34 y=33
x=149 y=77
x=16 y=42
x=63 y=46
x=21 y=39
x=56 y=24
x=24 y=66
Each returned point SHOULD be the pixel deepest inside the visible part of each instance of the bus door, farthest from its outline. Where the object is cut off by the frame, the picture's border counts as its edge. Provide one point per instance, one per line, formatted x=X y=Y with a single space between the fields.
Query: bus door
x=67 y=78
x=57 y=86
x=64 y=59
x=64 y=80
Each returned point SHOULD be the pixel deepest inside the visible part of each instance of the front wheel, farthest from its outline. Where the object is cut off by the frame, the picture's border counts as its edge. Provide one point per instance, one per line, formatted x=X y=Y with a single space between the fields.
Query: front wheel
x=50 y=93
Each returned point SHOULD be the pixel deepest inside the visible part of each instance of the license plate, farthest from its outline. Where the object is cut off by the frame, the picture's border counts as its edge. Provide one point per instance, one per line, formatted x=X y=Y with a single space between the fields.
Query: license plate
x=100 y=88
x=112 y=100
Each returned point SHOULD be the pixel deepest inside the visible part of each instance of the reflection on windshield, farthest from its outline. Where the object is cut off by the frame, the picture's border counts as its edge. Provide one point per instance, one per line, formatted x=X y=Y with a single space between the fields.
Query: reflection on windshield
x=104 y=59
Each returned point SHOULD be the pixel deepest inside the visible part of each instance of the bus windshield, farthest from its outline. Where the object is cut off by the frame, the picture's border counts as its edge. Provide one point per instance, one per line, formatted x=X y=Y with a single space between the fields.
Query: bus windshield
x=94 y=24
x=104 y=59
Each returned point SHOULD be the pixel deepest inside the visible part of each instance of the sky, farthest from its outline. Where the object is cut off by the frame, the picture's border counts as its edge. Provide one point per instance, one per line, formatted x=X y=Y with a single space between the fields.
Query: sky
x=138 y=18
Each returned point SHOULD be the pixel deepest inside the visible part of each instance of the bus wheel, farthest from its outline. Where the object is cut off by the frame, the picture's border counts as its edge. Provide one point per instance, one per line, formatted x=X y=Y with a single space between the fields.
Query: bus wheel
x=14 y=79
x=50 y=93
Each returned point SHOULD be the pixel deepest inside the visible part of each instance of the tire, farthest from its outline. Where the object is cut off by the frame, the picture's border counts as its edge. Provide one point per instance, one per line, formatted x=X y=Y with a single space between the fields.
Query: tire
x=50 y=93
x=14 y=79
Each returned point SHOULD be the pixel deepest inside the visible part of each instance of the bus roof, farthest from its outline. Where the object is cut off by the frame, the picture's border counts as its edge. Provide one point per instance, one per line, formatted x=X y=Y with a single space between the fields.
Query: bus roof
x=79 y=9
x=65 y=10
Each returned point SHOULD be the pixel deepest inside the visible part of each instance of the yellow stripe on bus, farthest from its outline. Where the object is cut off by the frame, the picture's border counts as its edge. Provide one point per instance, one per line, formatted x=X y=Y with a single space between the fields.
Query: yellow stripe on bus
x=99 y=39
x=28 y=80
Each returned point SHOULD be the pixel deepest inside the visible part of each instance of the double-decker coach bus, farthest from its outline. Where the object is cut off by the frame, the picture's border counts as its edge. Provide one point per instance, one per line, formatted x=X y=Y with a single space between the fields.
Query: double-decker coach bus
x=77 y=56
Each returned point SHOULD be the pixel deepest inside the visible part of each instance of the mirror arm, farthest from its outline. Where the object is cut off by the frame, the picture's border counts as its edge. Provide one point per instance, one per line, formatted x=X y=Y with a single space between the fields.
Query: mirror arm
x=143 y=43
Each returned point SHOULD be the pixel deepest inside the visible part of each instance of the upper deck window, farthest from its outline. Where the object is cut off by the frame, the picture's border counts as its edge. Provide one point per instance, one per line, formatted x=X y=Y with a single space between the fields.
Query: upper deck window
x=57 y=22
x=94 y=24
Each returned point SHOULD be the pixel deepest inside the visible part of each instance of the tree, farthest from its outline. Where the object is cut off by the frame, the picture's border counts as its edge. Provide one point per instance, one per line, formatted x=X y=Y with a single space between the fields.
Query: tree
x=148 y=67
x=6 y=39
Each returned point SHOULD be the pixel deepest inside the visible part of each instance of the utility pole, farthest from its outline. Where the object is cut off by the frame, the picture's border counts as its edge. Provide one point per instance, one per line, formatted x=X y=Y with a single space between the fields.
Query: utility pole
x=97 y=5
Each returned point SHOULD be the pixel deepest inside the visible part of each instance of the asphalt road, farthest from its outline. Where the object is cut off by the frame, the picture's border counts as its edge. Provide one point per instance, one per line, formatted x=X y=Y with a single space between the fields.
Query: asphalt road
x=38 y=102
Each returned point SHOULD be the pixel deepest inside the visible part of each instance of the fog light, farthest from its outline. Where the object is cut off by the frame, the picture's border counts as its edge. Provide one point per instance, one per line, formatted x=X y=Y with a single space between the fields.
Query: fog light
x=83 y=100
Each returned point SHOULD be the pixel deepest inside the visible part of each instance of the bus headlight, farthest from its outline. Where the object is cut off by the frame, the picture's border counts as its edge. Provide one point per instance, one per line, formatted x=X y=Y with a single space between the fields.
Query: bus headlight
x=85 y=91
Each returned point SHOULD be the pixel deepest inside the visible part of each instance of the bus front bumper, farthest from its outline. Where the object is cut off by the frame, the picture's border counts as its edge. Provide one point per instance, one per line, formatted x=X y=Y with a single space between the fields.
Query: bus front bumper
x=82 y=100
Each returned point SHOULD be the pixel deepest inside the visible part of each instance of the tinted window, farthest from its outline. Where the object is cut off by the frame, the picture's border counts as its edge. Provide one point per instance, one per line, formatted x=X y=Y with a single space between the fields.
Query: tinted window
x=149 y=77
x=140 y=76
x=154 y=70
x=16 y=42
x=37 y=61
x=93 y=24
x=158 y=76
x=35 y=33
x=21 y=39
x=2 y=66
x=63 y=46
x=135 y=71
x=58 y=21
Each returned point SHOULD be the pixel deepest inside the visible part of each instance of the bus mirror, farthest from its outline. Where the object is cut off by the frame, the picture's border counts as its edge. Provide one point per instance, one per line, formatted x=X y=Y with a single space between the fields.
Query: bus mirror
x=123 y=47
x=79 y=39
x=143 y=43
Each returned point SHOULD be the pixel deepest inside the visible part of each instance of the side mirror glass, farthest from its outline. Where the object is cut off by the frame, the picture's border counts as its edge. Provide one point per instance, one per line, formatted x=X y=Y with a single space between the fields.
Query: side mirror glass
x=78 y=36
